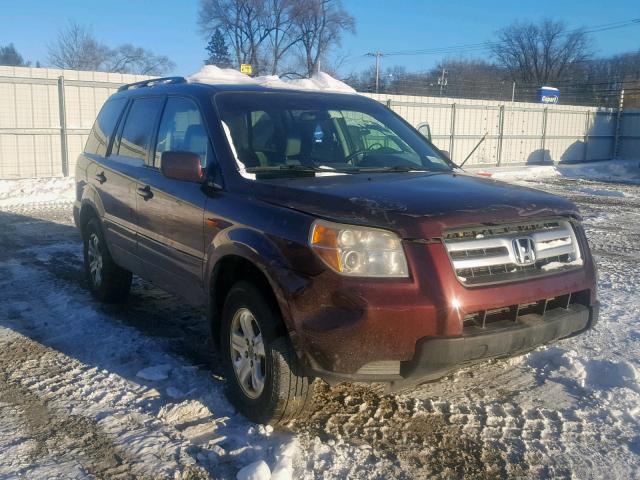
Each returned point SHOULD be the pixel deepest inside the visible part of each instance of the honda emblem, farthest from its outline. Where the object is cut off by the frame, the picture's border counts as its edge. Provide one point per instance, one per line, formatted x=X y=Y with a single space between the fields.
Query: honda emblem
x=524 y=250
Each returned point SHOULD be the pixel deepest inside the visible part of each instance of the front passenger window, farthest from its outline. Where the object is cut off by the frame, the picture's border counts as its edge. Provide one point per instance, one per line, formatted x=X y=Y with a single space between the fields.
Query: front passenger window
x=182 y=129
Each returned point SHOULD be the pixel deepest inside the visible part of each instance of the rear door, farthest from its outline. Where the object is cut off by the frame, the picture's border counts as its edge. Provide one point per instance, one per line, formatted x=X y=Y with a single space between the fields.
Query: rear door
x=171 y=212
x=113 y=185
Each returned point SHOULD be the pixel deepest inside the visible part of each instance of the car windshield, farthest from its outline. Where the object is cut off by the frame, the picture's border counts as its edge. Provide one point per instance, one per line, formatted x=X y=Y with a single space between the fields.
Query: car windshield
x=286 y=132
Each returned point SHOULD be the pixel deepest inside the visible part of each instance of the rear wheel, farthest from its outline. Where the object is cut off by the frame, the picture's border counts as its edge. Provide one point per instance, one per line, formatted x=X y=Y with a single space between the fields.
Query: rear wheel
x=265 y=380
x=107 y=281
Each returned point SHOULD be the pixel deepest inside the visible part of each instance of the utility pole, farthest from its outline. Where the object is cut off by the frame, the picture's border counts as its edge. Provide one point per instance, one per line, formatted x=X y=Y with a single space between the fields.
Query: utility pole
x=442 y=81
x=616 y=139
x=377 y=55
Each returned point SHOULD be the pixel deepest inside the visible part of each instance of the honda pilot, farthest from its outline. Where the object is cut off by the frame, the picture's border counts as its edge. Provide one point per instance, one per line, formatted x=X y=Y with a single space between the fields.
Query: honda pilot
x=325 y=236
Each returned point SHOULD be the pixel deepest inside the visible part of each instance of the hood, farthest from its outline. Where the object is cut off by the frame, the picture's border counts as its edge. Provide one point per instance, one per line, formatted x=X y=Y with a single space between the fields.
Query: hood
x=416 y=204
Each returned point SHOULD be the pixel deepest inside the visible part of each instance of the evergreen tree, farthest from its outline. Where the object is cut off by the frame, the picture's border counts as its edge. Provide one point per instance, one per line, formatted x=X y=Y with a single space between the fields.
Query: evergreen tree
x=10 y=56
x=218 y=51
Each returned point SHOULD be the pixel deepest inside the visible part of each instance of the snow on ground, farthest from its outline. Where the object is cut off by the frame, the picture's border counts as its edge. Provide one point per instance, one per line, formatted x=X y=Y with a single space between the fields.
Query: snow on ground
x=36 y=190
x=103 y=391
x=623 y=171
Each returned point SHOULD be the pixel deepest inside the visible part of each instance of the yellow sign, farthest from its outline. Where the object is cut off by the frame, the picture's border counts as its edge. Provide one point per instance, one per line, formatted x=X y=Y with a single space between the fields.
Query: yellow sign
x=246 y=68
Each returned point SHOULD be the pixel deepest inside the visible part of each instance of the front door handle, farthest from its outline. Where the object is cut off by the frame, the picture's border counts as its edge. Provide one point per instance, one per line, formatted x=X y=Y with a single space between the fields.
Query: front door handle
x=100 y=177
x=145 y=192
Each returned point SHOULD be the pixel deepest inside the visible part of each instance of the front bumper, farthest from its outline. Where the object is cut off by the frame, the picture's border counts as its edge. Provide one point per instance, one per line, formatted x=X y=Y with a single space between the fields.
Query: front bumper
x=348 y=326
x=435 y=357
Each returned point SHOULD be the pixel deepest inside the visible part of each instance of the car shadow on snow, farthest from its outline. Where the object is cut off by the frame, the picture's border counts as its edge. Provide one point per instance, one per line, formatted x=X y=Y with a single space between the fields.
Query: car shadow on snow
x=56 y=248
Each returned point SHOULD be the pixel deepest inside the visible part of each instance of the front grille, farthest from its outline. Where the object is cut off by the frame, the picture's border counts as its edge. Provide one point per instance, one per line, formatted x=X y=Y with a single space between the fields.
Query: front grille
x=503 y=253
x=504 y=317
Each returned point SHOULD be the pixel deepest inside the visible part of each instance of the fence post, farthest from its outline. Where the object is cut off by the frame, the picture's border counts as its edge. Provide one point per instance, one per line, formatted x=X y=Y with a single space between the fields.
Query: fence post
x=586 y=136
x=616 y=140
x=543 y=140
x=452 y=136
x=500 y=135
x=63 y=127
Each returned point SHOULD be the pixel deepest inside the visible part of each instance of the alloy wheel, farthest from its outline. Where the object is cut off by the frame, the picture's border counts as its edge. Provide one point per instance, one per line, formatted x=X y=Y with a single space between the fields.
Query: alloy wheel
x=94 y=254
x=247 y=353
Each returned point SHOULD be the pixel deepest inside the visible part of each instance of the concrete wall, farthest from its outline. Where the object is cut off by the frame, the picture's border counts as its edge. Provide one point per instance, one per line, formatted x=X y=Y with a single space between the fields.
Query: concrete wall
x=32 y=134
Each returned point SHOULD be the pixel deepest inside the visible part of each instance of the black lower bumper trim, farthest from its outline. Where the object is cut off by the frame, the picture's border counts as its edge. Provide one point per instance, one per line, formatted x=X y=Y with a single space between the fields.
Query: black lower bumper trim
x=436 y=357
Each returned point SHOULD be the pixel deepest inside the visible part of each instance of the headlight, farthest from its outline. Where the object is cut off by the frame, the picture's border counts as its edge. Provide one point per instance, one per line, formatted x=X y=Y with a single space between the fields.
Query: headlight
x=358 y=251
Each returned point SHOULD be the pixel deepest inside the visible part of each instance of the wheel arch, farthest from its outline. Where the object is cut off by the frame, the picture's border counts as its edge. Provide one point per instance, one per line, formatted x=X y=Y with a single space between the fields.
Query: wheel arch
x=87 y=212
x=90 y=206
x=230 y=269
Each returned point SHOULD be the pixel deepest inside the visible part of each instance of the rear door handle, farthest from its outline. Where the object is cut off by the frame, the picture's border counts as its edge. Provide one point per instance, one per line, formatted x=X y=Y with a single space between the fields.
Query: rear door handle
x=100 y=177
x=145 y=192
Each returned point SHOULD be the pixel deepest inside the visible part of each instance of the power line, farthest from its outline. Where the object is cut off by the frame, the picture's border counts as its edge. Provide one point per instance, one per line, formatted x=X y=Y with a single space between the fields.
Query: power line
x=486 y=45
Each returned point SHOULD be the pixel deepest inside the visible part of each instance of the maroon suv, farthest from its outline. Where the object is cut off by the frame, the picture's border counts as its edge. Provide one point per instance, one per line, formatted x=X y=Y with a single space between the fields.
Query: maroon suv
x=326 y=237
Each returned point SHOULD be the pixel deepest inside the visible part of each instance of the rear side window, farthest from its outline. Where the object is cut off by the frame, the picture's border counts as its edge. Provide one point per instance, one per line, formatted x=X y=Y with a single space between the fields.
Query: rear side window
x=103 y=128
x=182 y=129
x=138 y=127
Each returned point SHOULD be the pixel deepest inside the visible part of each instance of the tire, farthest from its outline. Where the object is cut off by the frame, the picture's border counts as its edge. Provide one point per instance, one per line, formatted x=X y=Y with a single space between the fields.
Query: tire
x=287 y=393
x=107 y=281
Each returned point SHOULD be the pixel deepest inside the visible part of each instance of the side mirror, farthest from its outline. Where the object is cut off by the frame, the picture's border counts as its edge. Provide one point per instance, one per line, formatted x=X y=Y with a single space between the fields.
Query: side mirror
x=184 y=166
x=425 y=130
x=446 y=154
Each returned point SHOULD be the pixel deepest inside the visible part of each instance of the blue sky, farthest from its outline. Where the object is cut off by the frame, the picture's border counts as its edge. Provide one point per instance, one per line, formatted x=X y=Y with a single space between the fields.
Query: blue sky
x=169 y=27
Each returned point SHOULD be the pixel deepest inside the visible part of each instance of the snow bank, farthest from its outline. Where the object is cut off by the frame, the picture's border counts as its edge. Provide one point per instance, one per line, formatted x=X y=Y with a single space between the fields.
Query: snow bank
x=36 y=190
x=212 y=75
x=610 y=170
x=321 y=81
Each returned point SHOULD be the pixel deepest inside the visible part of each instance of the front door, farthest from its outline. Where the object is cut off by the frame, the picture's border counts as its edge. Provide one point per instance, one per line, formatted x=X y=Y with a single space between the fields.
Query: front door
x=171 y=212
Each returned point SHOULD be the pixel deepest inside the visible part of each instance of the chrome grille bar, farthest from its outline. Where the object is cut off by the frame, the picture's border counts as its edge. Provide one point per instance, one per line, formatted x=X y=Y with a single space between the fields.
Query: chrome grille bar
x=489 y=254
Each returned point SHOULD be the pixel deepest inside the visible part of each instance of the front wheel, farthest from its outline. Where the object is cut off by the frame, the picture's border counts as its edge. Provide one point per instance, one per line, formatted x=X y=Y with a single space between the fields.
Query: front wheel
x=264 y=378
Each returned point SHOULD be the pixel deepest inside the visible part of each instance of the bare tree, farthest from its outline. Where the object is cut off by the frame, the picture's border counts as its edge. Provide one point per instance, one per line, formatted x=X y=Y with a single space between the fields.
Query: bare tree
x=242 y=22
x=265 y=32
x=9 y=55
x=130 y=59
x=320 y=25
x=282 y=32
x=76 y=48
x=539 y=53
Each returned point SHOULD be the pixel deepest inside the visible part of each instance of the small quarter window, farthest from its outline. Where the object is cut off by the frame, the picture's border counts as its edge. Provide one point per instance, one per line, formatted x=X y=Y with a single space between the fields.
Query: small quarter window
x=103 y=128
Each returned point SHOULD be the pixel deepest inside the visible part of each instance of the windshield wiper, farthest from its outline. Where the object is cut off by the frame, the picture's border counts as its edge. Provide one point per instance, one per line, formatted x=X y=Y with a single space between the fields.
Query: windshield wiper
x=284 y=168
x=394 y=168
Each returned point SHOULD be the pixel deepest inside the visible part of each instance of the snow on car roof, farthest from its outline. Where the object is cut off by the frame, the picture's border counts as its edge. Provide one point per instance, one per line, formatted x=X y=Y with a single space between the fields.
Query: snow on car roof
x=320 y=81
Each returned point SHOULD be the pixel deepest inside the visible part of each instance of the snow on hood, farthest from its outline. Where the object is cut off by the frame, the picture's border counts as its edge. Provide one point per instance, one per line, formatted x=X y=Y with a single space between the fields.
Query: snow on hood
x=213 y=75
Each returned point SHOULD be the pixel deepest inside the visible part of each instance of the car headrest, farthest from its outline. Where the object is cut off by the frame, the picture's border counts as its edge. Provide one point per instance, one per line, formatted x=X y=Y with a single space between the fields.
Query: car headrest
x=195 y=140
x=294 y=145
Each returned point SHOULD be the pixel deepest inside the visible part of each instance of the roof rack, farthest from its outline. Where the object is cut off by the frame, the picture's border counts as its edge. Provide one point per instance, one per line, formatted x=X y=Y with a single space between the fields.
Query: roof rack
x=152 y=82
